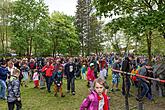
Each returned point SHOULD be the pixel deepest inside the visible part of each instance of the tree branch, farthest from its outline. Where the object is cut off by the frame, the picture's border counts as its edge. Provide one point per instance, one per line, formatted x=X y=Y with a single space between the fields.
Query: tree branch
x=160 y=1
x=156 y=2
x=147 y=4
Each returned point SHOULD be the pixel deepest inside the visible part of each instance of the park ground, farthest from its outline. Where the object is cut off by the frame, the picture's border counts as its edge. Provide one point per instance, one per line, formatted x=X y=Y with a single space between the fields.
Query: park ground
x=40 y=99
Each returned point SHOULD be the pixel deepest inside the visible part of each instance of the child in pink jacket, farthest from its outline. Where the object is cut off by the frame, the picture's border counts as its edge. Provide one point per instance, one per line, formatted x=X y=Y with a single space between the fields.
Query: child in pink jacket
x=97 y=99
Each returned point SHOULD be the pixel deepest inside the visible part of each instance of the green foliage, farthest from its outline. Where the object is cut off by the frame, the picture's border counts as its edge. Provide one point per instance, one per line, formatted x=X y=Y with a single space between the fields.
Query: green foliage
x=62 y=33
x=5 y=31
x=38 y=33
x=138 y=19
x=88 y=27
x=27 y=15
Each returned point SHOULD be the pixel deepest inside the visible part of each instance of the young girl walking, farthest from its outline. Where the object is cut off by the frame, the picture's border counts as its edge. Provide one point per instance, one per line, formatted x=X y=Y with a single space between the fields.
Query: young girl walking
x=97 y=99
x=36 y=79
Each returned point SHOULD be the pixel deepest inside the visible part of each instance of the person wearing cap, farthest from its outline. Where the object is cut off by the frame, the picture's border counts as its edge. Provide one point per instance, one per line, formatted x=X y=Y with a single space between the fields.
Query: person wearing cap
x=91 y=75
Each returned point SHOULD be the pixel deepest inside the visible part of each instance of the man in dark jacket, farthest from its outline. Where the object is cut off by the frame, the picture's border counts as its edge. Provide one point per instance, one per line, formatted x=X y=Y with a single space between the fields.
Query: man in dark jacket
x=3 y=76
x=70 y=70
x=126 y=67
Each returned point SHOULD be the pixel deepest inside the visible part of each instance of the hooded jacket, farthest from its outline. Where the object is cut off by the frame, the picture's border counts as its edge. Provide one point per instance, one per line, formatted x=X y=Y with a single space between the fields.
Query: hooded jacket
x=92 y=102
x=90 y=74
x=13 y=89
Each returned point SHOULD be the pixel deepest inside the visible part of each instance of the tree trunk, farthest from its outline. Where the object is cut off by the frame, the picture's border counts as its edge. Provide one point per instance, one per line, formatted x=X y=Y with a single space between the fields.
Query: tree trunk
x=6 y=28
x=3 y=35
x=136 y=42
x=35 y=50
x=30 y=48
x=82 y=46
x=3 y=45
x=96 y=51
x=2 y=41
x=149 y=36
x=27 y=51
x=54 y=48
x=6 y=39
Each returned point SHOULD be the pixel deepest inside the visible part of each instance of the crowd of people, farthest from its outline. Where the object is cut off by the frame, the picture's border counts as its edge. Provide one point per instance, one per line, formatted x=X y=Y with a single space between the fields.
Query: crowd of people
x=15 y=73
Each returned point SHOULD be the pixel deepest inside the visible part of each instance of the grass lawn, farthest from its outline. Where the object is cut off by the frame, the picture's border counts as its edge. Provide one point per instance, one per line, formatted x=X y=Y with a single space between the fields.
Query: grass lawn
x=37 y=99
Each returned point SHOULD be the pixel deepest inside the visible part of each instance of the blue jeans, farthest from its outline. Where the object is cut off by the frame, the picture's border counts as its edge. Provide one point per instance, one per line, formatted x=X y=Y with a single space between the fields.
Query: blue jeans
x=3 y=89
x=48 y=82
x=145 y=88
x=70 y=82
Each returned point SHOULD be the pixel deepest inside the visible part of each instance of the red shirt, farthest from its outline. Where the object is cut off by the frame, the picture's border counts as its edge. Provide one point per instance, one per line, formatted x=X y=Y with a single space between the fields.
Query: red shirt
x=48 y=70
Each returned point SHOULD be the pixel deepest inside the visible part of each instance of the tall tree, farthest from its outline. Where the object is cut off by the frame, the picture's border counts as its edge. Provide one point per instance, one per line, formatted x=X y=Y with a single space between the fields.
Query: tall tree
x=80 y=22
x=88 y=27
x=5 y=13
x=25 y=19
x=63 y=34
x=147 y=15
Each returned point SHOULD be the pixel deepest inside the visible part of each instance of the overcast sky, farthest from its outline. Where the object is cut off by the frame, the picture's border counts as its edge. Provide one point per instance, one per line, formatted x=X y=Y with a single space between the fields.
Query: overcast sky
x=66 y=6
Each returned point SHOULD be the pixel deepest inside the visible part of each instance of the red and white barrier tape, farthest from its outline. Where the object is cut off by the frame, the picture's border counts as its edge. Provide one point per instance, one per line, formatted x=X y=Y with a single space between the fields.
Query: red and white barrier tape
x=141 y=76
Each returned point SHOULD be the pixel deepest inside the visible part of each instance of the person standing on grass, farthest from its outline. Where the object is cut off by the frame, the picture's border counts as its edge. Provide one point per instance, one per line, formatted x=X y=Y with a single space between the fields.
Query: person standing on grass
x=3 y=77
x=83 y=71
x=126 y=67
x=115 y=75
x=36 y=78
x=25 y=72
x=103 y=73
x=14 y=95
x=91 y=75
x=32 y=66
x=48 y=69
x=144 y=83
x=70 y=71
x=103 y=66
x=97 y=99
x=58 y=76
x=57 y=65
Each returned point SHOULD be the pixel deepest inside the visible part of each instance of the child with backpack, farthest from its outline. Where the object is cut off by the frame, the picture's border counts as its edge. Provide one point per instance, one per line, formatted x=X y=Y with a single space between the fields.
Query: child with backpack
x=58 y=76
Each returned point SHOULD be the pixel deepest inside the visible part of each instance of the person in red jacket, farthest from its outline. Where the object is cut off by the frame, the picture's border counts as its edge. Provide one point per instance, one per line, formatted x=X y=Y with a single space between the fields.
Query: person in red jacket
x=48 y=69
